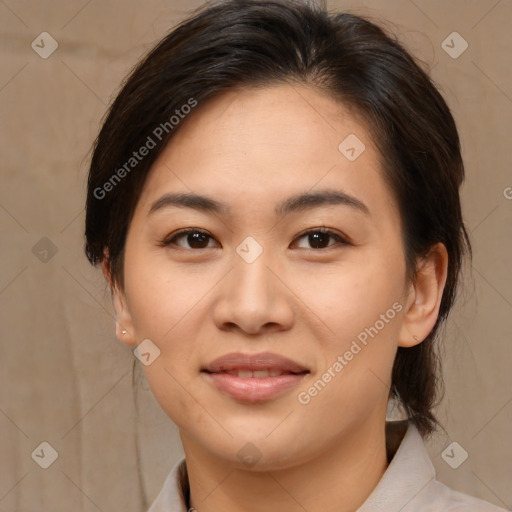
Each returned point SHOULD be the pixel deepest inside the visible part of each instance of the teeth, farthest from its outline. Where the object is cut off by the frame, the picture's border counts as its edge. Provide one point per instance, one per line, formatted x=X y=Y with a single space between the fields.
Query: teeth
x=260 y=374
x=257 y=374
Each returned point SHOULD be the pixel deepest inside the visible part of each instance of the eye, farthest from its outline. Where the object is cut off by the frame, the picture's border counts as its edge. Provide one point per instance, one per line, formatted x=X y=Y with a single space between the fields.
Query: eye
x=196 y=238
x=319 y=238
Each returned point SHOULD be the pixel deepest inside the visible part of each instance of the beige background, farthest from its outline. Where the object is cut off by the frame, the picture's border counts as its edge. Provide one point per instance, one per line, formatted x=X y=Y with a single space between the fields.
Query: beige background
x=66 y=380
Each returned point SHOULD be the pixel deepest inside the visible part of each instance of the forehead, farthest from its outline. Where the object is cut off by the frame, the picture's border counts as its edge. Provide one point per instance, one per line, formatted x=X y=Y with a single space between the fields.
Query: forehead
x=266 y=144
x=288 y=121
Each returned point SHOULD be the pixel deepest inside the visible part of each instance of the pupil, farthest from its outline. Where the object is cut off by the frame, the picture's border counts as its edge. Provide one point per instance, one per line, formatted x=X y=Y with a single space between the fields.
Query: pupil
x=316 y=239
x=197 y=240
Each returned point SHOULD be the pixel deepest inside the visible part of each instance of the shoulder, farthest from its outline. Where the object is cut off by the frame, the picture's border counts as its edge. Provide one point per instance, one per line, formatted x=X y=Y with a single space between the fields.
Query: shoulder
x=410 y=482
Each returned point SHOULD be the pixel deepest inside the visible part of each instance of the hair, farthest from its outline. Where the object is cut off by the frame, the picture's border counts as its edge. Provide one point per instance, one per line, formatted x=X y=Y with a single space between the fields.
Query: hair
x=260 y=43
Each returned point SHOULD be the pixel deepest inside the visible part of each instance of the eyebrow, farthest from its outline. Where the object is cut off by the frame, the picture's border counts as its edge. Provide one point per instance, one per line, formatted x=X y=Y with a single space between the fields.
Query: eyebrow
x=300 y=202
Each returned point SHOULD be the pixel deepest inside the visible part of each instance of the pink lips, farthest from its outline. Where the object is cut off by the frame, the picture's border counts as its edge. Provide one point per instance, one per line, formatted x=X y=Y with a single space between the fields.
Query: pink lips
x=254 y=377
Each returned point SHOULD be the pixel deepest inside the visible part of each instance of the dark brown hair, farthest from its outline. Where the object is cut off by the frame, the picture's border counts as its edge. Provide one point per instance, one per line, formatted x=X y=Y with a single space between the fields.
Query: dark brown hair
x=253 y=43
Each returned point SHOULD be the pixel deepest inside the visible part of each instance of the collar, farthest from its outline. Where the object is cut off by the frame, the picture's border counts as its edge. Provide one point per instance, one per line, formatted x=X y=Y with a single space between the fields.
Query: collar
x=409 y=472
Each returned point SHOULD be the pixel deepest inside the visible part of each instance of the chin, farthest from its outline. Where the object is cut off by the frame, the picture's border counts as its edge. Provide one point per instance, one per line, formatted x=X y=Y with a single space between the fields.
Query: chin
x=260 y=452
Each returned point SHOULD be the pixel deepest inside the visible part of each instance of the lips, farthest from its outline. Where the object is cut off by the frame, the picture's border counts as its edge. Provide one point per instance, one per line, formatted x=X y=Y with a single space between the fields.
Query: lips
x=257 y=364
x=254 y=377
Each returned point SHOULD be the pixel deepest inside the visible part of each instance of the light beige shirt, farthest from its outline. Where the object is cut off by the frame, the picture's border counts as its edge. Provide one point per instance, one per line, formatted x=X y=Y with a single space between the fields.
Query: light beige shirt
x=408 y=485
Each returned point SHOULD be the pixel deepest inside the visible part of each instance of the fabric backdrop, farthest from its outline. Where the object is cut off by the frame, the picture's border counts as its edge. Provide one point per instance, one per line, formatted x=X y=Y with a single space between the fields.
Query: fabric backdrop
x=65 y=379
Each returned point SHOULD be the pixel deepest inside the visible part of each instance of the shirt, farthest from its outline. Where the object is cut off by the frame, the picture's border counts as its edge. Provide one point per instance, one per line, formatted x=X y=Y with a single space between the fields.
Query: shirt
x=409 y=483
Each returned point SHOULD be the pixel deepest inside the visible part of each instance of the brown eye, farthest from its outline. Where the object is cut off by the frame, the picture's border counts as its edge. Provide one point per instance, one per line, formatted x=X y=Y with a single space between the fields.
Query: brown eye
x=194 y=238
x=319 y=238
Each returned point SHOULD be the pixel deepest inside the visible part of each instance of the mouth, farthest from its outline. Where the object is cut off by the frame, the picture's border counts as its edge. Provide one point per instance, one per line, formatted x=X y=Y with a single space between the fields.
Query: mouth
x=254 y=377
x=247 y=373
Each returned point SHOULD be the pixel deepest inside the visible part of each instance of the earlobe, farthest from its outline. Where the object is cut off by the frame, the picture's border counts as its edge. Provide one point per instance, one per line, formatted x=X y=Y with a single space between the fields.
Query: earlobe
x=424 y=299
x=124 y=325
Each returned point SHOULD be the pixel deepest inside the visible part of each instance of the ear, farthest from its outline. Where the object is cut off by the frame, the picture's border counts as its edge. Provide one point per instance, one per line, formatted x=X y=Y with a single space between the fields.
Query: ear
x=424 y=297
x=124 y=325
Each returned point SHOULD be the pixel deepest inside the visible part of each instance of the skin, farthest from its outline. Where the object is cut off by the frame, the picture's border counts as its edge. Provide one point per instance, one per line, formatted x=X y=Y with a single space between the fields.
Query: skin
x=252 y=149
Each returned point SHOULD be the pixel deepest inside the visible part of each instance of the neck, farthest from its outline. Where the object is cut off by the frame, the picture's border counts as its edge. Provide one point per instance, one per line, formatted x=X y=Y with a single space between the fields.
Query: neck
x=337 y=480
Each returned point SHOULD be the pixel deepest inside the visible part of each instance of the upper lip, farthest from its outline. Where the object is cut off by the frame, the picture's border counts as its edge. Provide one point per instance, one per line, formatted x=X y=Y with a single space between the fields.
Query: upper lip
x=254 y=362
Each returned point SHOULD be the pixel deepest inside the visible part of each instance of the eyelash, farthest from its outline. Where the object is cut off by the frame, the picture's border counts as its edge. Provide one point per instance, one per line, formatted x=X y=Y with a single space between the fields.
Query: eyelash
x=340 y=239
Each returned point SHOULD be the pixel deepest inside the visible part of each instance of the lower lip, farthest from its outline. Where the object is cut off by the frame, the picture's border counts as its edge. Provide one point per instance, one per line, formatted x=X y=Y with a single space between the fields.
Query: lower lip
x=254 y=389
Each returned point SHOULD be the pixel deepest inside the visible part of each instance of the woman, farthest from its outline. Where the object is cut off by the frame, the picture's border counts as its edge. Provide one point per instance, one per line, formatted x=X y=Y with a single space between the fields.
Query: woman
x=274 y=200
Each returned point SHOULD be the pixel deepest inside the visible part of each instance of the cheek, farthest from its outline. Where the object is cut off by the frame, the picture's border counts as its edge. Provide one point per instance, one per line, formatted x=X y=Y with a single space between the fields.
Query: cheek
x=172 y=377
x=169 y=389
x=159 y=296
x=362 y=308
x=354 y=296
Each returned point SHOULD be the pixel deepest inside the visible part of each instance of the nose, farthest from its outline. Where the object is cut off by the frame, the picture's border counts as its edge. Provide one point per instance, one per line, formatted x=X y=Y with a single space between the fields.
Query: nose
x=253 y=298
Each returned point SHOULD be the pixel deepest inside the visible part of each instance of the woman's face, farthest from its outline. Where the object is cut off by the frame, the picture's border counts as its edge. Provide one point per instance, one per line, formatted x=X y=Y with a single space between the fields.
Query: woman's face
x=257 y=275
